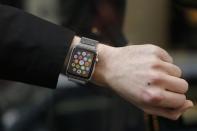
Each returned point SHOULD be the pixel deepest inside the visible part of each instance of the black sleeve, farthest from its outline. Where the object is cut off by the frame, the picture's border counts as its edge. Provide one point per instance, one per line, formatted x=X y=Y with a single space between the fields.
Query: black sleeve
x=31 y=50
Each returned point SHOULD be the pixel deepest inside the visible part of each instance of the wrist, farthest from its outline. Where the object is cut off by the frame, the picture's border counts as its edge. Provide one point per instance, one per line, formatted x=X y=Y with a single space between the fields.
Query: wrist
x=101 y=71
x=100 y=76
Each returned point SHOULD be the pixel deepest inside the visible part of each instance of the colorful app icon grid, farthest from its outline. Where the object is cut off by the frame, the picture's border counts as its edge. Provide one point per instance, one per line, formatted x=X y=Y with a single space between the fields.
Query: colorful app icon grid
x=81 y=63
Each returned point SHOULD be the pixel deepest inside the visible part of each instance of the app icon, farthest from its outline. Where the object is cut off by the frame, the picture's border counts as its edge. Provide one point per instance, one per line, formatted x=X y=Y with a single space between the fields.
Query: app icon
x=85 y=59
x=89 y=60
x=74 y=69
x=83 y=67
x=84 y=72
x=75 y=56
x=73 y=64
x=81 y=62
x=80 y=57
x=83 y=53
x=87 y=69
x=79 y=53
x=76 y=61
x=79 y=71
x=87 y=63
x=77 y=66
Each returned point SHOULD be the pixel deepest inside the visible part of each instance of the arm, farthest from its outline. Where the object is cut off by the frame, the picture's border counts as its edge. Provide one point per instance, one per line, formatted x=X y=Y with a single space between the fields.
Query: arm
x=31 y=50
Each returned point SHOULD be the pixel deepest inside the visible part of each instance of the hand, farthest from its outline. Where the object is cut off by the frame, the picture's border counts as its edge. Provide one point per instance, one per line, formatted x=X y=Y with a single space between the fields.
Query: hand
x=145 y=76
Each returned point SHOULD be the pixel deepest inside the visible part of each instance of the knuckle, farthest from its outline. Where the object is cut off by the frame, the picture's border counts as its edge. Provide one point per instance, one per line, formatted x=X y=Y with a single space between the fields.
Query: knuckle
x=155 y=63
x=155 y=78
x=155 y=49
x=152 y=97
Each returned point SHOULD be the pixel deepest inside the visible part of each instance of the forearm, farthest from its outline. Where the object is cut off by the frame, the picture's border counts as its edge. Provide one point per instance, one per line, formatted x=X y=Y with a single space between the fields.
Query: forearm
x=31 y=50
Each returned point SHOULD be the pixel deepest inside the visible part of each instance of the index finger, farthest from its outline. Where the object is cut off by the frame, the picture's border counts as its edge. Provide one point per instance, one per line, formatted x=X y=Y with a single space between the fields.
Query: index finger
x=164 y=55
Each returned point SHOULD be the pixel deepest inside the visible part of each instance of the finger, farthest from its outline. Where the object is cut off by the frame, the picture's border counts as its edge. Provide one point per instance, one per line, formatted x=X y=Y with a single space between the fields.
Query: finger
x=169 y=68
x=187 y=105
x=164 y=55
x=169 y=113
x=172 y=100
x=174 y=84
x=161 y=98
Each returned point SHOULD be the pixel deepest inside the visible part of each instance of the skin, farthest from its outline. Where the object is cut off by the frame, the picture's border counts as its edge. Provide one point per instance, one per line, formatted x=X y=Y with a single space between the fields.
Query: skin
x=145 y=76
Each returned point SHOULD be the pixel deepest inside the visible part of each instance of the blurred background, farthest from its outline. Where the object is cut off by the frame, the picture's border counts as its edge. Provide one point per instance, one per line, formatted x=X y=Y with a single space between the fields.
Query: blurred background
x=72 y=107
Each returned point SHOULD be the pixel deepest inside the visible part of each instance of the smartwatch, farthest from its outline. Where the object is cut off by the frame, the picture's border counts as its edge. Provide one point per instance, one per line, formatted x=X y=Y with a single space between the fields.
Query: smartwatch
x=82 y=61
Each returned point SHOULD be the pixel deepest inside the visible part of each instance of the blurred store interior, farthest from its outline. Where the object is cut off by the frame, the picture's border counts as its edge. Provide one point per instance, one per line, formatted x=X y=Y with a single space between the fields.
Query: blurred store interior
x=171 y=24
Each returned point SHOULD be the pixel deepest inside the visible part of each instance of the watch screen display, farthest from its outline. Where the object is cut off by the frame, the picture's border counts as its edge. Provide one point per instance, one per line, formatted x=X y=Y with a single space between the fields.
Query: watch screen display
x=81 y=63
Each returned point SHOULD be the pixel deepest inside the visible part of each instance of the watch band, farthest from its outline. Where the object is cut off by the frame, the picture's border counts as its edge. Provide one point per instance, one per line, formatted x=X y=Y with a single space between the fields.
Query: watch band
x=90 y=42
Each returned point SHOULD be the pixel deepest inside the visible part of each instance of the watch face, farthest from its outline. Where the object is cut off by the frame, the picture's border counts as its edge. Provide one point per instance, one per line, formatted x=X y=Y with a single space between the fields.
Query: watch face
x=81 y=63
